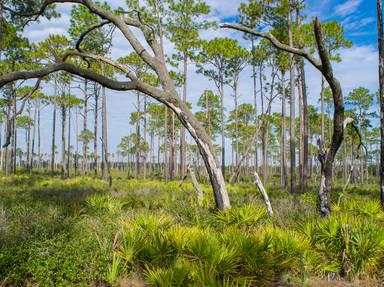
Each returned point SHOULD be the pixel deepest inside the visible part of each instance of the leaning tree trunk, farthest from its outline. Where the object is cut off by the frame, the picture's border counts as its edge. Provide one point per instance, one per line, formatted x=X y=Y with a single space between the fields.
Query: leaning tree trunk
x=207 y=153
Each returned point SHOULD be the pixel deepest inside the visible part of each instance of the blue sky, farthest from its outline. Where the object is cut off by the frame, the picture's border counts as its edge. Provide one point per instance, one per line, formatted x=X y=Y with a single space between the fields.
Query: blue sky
x=358 y=66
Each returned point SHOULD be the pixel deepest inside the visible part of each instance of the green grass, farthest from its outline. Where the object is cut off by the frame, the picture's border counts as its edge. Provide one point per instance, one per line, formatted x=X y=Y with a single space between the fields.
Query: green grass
x=80 y=232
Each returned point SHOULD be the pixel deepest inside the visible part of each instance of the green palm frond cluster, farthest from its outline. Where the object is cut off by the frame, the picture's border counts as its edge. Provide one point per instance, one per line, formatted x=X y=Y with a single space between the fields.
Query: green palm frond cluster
x=363 y=207
x=179 y=255
x=346 y=245
x=104 y=203
x=245 y=215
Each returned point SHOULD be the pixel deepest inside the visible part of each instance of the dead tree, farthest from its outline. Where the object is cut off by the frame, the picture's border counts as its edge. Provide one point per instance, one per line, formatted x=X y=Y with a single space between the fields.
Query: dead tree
x=323 y=64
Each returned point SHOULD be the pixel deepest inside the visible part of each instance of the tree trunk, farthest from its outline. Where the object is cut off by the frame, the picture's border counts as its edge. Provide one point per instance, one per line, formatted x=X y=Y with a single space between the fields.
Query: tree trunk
x=173 y=150
x=236 y=122
x=301 y=128
x=183 y=146
x=105 y=135
x=304 y=185
x=69 y=141
x=260 y=186
x=166 y=145
x=283 y=164
x=222 y=127
x=138 y=137
x=33 y=138
x=63 y=138
x=95 y=133
x=255 y=107
x=292 y=113
x=53 y=148
x=29 y=167
x=85 y=128
x=322 y=109
x=39 y=156
x=381 y=91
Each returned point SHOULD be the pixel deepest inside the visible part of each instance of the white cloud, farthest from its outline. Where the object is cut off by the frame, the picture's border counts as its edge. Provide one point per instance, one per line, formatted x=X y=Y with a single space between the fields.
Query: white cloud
x=353 y=23
x=224 y=8
x=347 y=7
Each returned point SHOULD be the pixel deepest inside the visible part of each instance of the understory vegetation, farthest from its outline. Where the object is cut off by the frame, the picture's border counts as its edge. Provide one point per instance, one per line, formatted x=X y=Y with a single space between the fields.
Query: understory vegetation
x=81 y=232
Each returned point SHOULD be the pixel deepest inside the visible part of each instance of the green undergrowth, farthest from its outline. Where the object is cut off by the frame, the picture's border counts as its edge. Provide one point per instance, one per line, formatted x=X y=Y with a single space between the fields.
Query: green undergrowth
x=80 y=232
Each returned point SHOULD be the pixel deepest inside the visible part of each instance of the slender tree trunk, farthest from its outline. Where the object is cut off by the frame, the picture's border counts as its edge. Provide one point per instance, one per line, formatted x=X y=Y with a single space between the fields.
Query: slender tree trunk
x=304 y=180
x=283 y=165
x=381 y=91
x=63 y=139
x=152 y=152
x=183 y=146
x=105 y=135
x=14 y=130
x=166 y=145
x=254 y=76
x=77 y=139
x=39 y=156
x=138 y=136
x=28 y=164
x=33 y=138
x=85 y=129
x=173 y=150
x=292 y=113
x=69 y=141
x=236 y=122
x=222 y=127
x=301 y=128
x=322 y=109
x=95 y=133
x=53 y=147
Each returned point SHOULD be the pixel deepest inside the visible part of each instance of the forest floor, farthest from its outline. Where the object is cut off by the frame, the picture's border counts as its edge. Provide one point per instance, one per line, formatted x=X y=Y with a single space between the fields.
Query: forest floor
x=80 y=232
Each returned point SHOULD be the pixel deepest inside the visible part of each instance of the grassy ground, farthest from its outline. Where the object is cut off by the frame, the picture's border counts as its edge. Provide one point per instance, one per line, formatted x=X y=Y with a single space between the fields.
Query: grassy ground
x=79 y=232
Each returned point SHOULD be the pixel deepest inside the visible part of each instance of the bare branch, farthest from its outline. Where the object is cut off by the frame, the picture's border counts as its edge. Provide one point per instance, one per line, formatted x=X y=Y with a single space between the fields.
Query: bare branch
x=276 y=43
x=72 y=69
x=89 y=30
